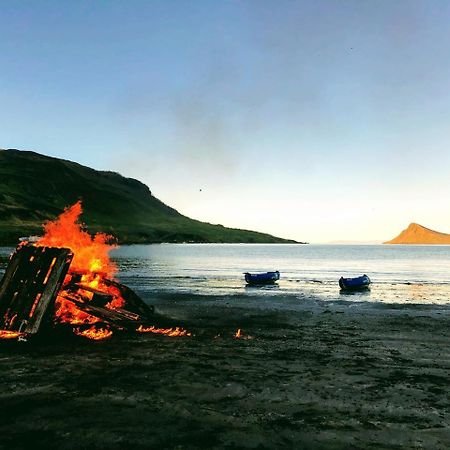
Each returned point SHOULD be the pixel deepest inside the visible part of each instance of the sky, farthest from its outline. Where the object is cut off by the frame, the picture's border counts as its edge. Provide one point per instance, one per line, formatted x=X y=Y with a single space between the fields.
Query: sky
x=312 y=120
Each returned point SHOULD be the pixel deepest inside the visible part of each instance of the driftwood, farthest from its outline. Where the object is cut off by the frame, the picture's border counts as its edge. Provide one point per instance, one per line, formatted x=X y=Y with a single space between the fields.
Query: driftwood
x=30 y=285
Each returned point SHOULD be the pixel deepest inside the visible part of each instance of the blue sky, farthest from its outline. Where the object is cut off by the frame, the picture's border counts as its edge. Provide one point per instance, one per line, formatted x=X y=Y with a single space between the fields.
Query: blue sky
x=313 y=120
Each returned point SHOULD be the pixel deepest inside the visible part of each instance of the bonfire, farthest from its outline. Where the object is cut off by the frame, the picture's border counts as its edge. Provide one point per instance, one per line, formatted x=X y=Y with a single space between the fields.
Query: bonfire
x=67 y=279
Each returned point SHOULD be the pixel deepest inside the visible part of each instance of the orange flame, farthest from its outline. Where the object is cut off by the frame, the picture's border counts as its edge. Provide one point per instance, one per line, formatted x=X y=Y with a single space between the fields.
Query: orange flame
x=96 y=334
x=66 y=311
x=91 y=262
x=172 y=332
x=6 y=334
x=240 y=335
x=91 y=254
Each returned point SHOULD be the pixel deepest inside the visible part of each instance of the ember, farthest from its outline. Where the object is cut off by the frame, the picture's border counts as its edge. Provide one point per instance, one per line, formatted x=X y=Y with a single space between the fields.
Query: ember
x=240 y=335
x=5 y=334
x=93 y=333
x=172 y=332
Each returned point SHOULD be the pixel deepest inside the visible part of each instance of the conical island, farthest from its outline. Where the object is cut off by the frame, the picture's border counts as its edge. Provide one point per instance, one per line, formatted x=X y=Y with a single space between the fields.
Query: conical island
x=418 y=234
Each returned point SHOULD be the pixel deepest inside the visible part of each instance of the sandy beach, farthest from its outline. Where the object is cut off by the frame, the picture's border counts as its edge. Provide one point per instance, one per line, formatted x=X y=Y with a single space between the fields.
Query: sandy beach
x=322 y=377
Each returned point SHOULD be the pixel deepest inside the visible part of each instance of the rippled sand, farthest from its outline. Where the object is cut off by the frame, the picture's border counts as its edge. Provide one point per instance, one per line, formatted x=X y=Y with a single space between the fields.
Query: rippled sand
x=321 y=377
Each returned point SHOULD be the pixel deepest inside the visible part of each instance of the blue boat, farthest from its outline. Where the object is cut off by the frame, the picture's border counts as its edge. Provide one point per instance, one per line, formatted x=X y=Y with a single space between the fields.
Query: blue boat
x=262 y=278
x=361 y=282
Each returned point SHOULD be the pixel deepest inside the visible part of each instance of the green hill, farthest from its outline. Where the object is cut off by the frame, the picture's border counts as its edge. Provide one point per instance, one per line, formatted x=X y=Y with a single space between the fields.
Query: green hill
x=35 y=188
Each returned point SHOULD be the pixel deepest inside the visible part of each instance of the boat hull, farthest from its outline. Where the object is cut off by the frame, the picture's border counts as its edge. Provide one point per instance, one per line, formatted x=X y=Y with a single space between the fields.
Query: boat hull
x=262 y=278
x=361 y=282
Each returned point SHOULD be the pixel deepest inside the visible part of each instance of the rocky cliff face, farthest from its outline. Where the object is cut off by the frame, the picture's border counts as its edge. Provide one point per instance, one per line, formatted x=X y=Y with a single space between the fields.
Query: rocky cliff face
x=417 y=234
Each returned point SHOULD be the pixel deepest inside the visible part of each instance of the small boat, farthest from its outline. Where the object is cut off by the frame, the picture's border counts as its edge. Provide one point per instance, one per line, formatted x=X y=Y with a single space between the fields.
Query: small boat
x=262 y=278
x=361 y=282
x=30 y=239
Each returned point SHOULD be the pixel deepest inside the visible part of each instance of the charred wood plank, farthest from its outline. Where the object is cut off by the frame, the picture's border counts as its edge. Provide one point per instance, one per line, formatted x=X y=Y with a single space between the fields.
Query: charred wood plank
x=30 y=285
x=83 y=287
x=134 y=303
x=99 y=298
x=120 y=318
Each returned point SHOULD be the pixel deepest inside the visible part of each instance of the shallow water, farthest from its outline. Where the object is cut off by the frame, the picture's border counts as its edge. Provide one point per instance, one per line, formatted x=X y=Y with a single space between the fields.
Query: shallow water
x=401 y=274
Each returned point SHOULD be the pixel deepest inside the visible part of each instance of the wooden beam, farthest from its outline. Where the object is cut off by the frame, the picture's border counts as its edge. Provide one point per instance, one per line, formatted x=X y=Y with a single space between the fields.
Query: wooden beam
x=30 y=285
x=120 y=318
x=133 y=302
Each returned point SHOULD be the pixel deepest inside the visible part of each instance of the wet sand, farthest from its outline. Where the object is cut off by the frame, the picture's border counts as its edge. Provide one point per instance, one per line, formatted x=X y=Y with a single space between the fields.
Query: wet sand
x=319 y=377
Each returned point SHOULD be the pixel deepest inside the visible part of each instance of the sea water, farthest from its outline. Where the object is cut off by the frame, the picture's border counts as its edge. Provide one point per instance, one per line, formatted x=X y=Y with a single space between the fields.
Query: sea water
x=401 y=274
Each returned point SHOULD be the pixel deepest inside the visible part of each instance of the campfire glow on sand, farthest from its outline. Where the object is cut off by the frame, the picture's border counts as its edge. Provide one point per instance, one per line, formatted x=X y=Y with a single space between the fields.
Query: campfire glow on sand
x=240 y=335
x=93 y=333
x=5 y=334
x=91 y=276
x=173 y=332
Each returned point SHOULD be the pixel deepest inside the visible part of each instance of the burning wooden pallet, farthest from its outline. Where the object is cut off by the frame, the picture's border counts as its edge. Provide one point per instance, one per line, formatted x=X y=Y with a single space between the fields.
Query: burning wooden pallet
x=37 y=284
x=29 y=287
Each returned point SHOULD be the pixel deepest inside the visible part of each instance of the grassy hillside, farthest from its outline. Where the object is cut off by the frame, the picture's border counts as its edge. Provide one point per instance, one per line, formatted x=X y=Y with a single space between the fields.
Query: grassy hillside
x=35 y=188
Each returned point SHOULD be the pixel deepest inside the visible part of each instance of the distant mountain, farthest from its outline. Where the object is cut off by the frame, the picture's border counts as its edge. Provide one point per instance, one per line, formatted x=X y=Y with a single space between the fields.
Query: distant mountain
x=35 y=188
x=417 y=234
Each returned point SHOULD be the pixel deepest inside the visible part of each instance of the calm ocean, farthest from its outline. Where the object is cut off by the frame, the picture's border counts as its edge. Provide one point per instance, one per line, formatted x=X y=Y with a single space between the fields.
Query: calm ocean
x=400 y=274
